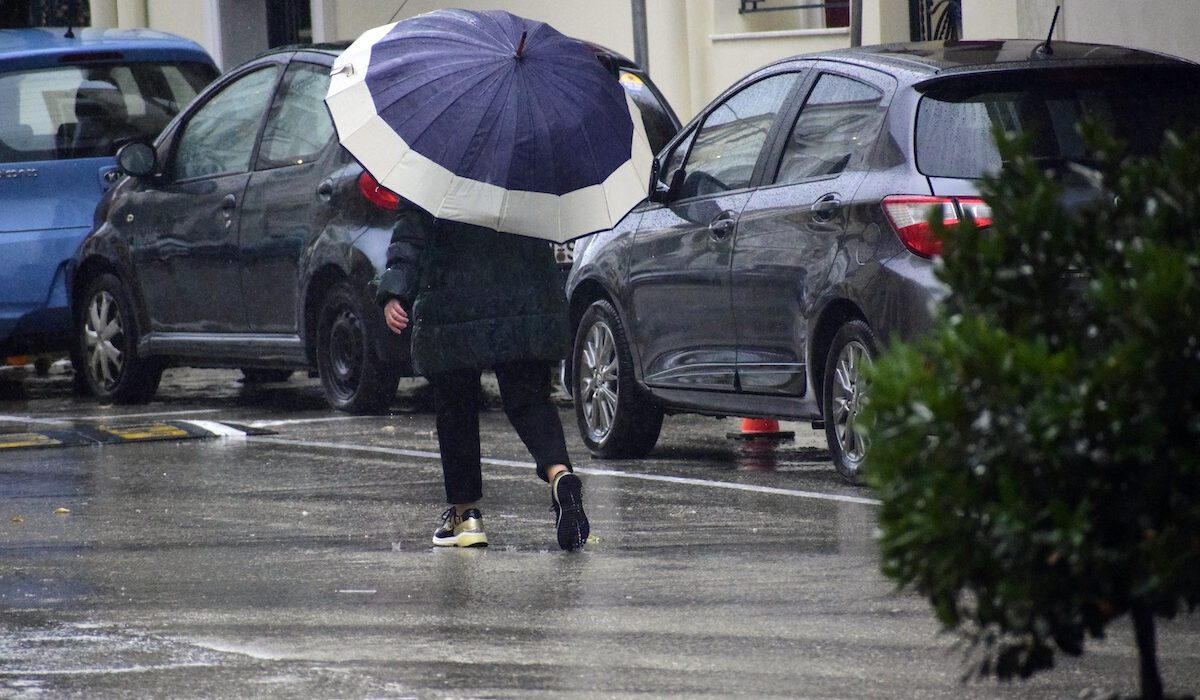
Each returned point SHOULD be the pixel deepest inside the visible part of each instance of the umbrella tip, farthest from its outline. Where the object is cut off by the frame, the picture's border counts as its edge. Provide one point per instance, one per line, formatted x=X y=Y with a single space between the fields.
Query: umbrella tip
x=521 y=45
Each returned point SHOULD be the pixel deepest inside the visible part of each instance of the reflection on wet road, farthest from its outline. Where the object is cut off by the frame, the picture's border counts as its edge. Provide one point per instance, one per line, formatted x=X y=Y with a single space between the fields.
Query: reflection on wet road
x=298 y=564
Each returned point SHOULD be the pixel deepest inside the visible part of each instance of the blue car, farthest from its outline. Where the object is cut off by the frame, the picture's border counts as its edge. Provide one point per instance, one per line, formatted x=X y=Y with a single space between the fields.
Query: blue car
x=68 y=100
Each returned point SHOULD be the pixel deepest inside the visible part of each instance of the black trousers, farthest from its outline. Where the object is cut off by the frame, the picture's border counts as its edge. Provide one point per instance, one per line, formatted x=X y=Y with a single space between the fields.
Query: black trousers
x=525 y=394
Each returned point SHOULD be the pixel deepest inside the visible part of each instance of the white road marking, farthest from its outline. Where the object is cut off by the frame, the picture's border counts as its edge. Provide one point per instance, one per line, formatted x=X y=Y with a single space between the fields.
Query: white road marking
x=425 y=454
x=298 y=421
x=218 y=429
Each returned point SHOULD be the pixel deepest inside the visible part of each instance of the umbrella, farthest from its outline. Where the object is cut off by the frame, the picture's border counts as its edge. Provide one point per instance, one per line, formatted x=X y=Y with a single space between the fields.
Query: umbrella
x=492 y=119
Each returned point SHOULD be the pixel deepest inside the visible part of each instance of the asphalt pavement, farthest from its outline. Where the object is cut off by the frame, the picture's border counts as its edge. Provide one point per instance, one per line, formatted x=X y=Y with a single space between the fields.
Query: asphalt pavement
x=279 y=549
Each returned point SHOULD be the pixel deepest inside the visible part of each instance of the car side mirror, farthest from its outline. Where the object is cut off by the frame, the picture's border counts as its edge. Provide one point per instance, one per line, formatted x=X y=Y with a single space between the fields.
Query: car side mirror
x=137 y=159
x=666 y=191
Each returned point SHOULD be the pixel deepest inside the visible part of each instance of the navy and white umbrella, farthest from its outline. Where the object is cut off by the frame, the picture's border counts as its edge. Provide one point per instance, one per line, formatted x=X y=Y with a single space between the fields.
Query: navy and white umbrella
x=492 y=119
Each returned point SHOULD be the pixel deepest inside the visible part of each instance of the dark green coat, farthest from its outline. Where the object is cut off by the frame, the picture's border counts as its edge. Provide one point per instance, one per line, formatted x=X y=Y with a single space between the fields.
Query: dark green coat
x=475 y=297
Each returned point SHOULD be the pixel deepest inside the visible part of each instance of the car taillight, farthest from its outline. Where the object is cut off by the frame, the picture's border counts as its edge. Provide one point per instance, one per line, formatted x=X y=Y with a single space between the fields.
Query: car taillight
x=376 y=193
x=910 y=215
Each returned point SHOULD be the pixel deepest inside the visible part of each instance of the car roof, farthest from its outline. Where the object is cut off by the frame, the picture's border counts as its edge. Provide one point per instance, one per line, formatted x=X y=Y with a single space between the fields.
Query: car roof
x=950 y=57
x=330 y=49
x=39 y=47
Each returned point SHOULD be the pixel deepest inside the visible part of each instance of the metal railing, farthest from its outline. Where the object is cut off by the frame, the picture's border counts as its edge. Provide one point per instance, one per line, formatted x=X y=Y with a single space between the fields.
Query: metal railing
x=770 y=6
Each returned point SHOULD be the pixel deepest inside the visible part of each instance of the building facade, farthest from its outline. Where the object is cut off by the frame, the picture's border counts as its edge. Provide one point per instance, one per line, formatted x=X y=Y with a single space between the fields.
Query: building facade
x=693 y=48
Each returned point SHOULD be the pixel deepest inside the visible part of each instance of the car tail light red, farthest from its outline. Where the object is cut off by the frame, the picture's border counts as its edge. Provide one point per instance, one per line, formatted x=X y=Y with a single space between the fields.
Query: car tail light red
x=910 y=216
x=376 y=193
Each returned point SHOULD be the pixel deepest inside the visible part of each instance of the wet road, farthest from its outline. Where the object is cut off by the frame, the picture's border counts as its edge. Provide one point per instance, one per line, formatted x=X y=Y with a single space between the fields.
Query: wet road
x=290 y=557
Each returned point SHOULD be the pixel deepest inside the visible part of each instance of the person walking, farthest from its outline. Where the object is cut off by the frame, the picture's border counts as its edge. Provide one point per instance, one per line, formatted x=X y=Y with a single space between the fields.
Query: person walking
x=478 y=300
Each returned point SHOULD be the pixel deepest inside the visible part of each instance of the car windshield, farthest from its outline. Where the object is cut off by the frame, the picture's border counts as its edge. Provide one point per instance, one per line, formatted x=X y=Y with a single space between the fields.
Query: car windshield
x=956 y=117
x=88 y=111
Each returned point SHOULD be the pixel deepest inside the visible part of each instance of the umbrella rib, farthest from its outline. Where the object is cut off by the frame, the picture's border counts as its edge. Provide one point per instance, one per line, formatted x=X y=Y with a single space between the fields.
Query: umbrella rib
x=594 y=123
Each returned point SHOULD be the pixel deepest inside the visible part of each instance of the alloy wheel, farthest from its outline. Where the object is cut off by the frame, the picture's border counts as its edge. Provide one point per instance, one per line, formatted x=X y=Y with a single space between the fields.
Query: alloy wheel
x=849 y=398
x=598 y=380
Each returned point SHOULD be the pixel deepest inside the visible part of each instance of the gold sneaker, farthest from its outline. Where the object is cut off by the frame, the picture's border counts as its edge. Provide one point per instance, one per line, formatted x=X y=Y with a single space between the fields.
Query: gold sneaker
x=464 y=531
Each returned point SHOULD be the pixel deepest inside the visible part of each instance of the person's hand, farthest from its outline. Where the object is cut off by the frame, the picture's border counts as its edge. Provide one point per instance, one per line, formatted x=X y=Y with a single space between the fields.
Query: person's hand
x=395 y=316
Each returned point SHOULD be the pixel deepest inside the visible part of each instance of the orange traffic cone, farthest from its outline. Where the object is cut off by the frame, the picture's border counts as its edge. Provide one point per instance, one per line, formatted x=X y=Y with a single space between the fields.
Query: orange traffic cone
x=768 y=428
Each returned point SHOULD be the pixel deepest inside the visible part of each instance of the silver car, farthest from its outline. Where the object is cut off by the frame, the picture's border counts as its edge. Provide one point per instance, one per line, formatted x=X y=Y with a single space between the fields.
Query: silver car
x=786 y=233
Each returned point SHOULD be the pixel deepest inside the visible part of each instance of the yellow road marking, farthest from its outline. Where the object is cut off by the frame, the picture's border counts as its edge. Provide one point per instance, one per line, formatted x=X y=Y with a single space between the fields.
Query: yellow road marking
x=26 y=440
x=145 y=431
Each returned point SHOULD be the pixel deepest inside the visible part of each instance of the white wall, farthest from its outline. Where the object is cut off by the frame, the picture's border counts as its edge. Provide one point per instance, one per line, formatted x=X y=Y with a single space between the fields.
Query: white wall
x=192 y=20
x=1167 y=26
x=606 y=22
x=696 y=47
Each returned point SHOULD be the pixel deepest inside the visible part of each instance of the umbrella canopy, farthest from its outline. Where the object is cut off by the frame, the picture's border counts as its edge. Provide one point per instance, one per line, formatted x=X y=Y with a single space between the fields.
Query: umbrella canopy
x=492 y=119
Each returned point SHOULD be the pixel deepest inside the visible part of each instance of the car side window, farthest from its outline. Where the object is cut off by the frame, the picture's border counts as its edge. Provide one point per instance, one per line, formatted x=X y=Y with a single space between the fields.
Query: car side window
x=219 y=137
x=298 y=125
x=727 y=146
x=835 y=130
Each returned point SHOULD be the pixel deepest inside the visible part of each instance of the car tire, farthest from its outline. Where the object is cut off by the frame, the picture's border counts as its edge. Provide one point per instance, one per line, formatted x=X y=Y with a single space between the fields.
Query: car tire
x=107 y=339
x=353 y=376
x=615 y=418
x=844 y=394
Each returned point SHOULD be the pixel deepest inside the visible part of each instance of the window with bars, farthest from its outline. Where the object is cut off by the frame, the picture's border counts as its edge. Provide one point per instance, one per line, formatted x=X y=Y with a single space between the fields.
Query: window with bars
x=837 y=12
x=44 y=13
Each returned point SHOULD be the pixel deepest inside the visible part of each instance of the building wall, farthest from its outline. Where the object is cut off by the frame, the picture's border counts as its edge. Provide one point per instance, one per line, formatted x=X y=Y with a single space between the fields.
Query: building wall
x=1168 y=26
x=608 y=22
x=696 y=47
x=194 y=20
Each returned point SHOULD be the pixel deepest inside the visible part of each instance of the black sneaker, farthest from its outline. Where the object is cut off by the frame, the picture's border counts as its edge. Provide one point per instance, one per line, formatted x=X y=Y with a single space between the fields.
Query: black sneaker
x=464 y=531
x=569 y=519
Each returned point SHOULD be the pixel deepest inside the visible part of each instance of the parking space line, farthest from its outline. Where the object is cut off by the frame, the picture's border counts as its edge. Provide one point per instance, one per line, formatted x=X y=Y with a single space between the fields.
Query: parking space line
x=34 y=421
x=425 y=454
x=299 y=421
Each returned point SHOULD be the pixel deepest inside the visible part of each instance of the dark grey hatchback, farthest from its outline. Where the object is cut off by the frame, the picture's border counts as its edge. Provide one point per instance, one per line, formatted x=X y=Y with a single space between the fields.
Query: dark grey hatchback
x=247 y=237
x=786 y=236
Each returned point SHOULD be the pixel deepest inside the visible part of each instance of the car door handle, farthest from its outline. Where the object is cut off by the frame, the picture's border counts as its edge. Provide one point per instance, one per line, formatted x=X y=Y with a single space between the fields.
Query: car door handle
x=720 y=227
x=325 y=190
x=228 y=204
x=826 y=207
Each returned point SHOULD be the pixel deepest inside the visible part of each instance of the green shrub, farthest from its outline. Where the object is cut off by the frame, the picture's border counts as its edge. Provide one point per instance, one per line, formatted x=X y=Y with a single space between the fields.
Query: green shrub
x=1038 y=454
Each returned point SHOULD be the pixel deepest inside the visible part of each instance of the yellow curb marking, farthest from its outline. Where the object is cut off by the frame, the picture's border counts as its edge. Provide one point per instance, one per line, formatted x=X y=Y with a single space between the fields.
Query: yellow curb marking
x=144 y=431
x=26 y=440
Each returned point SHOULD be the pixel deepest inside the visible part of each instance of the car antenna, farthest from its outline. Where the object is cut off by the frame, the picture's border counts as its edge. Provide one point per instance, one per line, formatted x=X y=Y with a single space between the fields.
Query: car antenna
x=71 y=21
x=1045 y=49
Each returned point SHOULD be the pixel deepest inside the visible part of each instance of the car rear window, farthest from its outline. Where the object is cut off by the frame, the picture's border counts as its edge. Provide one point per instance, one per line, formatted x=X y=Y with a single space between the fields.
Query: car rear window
x=660 y=122
x=88 y=111
x=956 y=117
